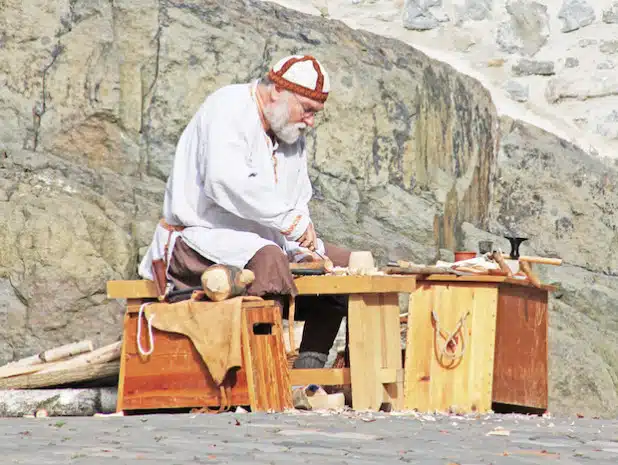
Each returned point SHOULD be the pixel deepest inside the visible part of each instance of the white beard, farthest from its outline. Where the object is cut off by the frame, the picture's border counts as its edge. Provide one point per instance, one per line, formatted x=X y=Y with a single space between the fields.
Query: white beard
x=278 y=115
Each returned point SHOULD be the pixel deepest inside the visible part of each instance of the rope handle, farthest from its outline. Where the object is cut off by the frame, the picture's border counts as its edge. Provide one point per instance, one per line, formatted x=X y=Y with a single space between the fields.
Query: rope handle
x=451 y=338
x=139 y=332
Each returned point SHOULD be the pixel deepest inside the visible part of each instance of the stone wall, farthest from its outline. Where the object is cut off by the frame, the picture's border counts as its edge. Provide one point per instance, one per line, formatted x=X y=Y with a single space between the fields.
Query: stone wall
x=549 y=59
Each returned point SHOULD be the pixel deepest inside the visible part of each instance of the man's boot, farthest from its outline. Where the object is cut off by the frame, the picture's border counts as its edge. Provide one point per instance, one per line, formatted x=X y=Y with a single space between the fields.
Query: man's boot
x=310 y=360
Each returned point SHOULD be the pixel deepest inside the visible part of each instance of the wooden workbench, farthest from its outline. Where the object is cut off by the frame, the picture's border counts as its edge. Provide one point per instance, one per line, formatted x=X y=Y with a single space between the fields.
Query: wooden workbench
x=376 y=365
x=504 y=360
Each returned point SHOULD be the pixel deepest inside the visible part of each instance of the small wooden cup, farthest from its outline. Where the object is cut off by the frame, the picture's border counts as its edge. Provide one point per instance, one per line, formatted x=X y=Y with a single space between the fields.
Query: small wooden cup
x=361 y=260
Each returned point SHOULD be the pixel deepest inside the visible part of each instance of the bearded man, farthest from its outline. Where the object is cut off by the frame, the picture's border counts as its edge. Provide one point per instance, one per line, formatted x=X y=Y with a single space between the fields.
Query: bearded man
x=238 y=195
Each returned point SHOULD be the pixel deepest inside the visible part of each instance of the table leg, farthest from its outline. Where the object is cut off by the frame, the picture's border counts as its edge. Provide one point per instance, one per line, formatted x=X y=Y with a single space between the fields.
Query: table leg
x=375 y=351
x=392 y=360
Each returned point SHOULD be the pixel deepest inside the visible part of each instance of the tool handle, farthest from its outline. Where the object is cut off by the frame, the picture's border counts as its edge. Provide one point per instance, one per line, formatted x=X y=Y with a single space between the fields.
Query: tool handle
x=541 y=260
x=525 y=267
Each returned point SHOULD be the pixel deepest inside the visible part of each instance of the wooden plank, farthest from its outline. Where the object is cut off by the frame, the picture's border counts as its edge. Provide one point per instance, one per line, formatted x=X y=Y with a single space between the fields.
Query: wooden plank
x=267 y=367
x=58 y=378
x=419 y=349
x=123 y=365
x=312 y=285
x=151 y=398
x=391 y=348
x=482 y=339
x=437 y=382
x=483 y=279
x=322 y=376
x=520 y=371
x=339 y=376
x=136 y=289
x=173 y=376
x=443 y=382
x=133 y=305
x=392 y=375
x=327 y=284
x=364 y=320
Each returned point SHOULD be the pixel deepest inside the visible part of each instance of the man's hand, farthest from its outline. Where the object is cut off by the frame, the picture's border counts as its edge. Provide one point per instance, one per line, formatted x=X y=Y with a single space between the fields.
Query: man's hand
x=309 y=238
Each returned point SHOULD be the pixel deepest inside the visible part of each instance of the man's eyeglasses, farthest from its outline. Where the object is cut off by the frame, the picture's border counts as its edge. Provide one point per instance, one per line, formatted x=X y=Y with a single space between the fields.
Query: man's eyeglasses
x=307 y=113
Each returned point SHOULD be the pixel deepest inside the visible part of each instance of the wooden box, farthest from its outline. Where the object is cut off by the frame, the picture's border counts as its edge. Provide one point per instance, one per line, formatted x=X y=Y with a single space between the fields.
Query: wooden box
x=174 y=375
x=497 y=360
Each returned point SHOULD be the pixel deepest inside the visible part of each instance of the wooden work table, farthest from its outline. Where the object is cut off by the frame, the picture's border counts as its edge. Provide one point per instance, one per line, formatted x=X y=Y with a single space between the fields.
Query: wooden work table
x=498 y=358
x=376 y=365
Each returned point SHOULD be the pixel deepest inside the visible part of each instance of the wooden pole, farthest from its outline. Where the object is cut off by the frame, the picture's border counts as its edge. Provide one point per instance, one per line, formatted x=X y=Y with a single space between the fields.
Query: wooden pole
x=539 y=260
x=104 y=354
x=34 y=362
x=62 y=377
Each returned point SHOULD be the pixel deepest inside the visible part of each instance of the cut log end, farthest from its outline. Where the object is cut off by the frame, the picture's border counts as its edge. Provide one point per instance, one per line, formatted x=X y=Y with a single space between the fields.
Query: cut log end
x=222 y=282
x=216 y=280
x=246 y=277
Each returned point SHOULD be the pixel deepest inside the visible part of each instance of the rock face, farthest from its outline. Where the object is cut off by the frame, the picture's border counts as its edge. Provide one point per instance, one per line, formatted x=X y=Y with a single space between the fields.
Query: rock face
x=407 y=160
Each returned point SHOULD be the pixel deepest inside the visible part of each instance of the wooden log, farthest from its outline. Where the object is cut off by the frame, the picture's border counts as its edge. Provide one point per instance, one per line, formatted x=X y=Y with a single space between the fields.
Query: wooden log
x=36 y=362
x=59 y=378
x=104 y=354
x=221 y=282
x=8 y=371
x=498 y=257
x=56 y=353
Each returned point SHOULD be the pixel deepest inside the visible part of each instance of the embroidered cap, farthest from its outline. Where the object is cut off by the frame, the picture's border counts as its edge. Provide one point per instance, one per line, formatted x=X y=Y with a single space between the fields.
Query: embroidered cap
x=303 y=75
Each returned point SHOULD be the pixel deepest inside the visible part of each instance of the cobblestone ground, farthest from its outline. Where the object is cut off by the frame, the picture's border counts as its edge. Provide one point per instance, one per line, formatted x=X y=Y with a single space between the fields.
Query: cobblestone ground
x=309 y=437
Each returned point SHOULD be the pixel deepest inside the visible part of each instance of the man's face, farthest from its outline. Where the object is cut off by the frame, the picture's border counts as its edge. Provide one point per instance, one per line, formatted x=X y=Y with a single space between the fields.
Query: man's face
x=290 y=114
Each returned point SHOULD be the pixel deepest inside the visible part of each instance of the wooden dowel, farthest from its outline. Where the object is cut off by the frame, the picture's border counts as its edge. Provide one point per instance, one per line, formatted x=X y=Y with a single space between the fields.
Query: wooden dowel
x=540 y=260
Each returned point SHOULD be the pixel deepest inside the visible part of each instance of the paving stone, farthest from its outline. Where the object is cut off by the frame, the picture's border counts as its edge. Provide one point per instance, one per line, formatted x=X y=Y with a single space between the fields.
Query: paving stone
x=289 y=439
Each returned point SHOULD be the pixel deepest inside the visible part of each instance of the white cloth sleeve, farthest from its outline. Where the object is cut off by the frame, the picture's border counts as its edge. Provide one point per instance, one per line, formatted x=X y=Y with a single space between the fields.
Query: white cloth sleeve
x=238 y=186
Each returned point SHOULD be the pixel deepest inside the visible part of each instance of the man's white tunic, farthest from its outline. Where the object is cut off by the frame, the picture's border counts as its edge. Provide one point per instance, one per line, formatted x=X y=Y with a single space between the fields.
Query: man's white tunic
x=231 y=188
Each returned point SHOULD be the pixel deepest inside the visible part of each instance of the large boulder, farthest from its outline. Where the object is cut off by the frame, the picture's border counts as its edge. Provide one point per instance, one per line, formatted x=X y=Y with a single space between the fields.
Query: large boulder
x=406 y=161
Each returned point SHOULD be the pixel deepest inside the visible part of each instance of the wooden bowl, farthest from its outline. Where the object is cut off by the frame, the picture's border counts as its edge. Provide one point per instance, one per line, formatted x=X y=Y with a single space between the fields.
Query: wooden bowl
x=463 y=255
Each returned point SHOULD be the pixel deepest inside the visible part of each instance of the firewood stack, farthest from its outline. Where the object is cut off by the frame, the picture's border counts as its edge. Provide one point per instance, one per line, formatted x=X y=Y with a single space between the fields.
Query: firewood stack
x=67 y=364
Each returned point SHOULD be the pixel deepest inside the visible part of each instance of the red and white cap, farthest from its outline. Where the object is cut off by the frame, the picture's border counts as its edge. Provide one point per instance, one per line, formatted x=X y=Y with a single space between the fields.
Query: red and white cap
x=303 y=75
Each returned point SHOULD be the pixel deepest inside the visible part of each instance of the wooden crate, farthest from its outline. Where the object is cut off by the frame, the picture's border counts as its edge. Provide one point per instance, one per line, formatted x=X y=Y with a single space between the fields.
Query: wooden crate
x=174 y=375
x=504 y=361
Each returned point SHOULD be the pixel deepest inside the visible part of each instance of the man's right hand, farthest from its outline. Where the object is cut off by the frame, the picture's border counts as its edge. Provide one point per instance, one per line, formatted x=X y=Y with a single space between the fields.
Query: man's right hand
x=309 y=238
